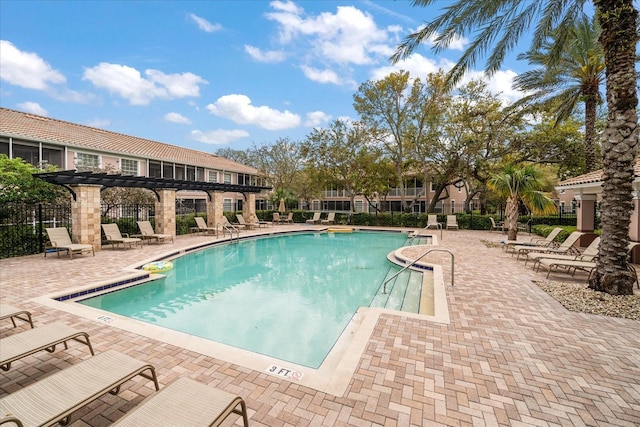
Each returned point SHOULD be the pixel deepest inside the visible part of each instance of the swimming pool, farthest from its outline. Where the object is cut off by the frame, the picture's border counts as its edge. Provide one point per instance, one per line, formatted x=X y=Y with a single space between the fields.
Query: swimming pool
x=287 y=296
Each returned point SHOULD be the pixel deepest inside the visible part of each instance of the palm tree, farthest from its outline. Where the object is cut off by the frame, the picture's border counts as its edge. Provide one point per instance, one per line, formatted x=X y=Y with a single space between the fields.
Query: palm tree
x=522 y=183
x=563 y=82
x=501 y=24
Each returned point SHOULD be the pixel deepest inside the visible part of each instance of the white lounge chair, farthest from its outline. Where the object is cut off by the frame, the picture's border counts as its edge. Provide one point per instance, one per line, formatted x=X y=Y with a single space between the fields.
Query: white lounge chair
x=115 y=238
x=452 y=222
x=60 y=241
x=331 y=218
x=202 y=226
x=315 y=219
x=186 y=403
x=13 y=313
x=247 y=225
x=46 y=337
x=147 y=232
x=549 y=241
x=564 y=248
x=54 y=398
x=589 y=254
x=432 y=222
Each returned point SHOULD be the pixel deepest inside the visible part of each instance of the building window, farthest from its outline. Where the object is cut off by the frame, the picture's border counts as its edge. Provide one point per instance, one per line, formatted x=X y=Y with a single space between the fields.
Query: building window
x=28 y=153
x=167 y=170
x=432 y=187
x=87 y=162
x=129 y=167
x=190 y=173
x=453 y=206
x=155 y=170
x=52 y=156
x=358 y=205
x=213 y=176
x=227 y=205
x=227 y=178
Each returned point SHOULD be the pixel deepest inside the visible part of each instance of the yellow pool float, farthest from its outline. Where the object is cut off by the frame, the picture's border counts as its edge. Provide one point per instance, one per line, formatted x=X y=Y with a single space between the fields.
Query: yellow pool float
x=158 y=266
x=340 y=230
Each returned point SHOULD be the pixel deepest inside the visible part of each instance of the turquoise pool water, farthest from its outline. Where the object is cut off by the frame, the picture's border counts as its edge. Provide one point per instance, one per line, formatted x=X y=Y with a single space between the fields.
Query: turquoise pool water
x=287 y=296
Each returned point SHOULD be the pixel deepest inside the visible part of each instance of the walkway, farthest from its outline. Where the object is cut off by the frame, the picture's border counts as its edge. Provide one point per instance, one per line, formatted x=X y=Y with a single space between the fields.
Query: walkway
x=510 y=356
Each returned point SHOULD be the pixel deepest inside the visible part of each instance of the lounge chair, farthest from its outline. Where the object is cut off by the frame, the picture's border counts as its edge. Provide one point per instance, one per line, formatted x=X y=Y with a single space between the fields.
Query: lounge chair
x=276 y=218
x=589 y=254
x=247 y=225
x=57 y=396
x=186 y=403
x=203 y=227
x=60 y=241
x=330 y=219
x=549 y=241
x=225 y=221
x=114 y=237
x=452 y=222
x=432 y=222
x=32 y=341
x=13 y=313
x=147 y=232
x=496 y=225
x=288 y=219
x=315 y=219
x=565 y=247
x=571 y=266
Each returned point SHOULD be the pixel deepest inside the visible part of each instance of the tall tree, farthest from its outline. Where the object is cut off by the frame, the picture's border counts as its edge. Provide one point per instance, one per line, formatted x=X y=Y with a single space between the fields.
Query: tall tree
x=386 y=107
x=504 y=22
x=572 y=78
x=524 y=183
x=343 y=155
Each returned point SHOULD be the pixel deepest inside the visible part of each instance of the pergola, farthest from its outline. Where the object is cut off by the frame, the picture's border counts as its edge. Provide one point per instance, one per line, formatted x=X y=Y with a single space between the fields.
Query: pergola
x=85 y=189
x=70 y=178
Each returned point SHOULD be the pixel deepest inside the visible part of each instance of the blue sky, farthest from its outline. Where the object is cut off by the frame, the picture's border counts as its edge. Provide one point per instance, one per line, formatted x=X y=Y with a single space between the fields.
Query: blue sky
x=208 y=74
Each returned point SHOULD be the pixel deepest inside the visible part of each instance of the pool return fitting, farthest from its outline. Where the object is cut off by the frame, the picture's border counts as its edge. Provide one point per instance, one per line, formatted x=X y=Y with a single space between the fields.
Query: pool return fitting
x=412 y=263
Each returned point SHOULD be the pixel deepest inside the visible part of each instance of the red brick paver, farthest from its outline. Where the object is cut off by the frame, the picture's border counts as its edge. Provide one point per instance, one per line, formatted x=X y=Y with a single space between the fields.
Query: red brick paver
x=510 y=356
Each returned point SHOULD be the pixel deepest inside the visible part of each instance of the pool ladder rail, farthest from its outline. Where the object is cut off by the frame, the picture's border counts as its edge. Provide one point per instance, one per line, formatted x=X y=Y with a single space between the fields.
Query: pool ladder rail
x=228 y=228
x=418 y=234
x=415 y=261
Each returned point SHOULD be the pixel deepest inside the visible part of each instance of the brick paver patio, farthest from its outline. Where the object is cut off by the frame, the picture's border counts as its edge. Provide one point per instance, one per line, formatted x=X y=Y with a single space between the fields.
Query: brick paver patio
x=511 y=355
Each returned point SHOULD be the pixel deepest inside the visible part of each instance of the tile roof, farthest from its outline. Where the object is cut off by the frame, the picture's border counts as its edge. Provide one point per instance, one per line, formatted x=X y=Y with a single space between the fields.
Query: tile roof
x=30 y=126
x=594 y=177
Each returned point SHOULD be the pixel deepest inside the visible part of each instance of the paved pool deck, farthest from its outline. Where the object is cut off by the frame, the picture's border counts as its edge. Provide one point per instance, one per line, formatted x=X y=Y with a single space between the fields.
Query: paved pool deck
x=510 y=355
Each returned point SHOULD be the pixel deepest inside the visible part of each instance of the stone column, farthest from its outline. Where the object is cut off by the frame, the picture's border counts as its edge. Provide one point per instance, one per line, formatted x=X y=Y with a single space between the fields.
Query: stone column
x=215 y=208
x=249 y=208
x=85 y=215
x=166 y=212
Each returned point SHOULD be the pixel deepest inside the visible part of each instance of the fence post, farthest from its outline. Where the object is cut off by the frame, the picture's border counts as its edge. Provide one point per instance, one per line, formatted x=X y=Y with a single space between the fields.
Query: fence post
x=40 y=237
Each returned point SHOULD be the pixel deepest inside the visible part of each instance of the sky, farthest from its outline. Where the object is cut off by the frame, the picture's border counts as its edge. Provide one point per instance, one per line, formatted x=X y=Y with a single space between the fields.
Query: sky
x=211 y=74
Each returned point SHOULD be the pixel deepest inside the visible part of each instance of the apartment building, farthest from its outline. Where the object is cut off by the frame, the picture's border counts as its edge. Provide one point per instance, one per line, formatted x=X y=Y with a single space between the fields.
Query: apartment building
x=43 y=140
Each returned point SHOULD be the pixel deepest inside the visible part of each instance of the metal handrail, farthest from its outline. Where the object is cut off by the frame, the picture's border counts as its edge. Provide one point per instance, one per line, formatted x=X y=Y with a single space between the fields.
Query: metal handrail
x=230 y=228
x=426 y=227
x=412 y=263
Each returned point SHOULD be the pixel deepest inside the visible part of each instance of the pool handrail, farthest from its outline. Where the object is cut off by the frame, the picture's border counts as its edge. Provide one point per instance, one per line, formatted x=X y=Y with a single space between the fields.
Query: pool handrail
x=228 y=227
x=426 y=227
x=412 y=263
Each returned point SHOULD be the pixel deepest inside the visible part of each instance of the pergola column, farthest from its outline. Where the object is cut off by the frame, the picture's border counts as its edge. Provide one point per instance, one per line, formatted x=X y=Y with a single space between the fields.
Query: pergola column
x=85 y=215
x=249 y=208
x=166 y=211
x=214 y=208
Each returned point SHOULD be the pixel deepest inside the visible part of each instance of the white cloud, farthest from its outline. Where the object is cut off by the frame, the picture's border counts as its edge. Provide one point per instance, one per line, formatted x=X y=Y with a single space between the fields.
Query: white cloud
x=270 y=56
x=26 y=69
x=177 y=118
x=238 y=108
x=128 y=83
x=99 y=123
x=321 y=76
x=219 y=136
x=316 y=118
x=204 y=25
x=417 y=66
x=33 y=108
x=500 y=83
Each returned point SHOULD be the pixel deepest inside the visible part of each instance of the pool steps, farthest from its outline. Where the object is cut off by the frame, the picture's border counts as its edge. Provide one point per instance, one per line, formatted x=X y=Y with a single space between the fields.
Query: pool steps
x=403 y=293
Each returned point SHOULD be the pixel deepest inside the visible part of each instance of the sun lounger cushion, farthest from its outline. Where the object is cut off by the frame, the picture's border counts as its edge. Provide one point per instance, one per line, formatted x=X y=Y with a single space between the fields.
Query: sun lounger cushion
x=186 y=402
x=32 y=341
x=13 y=313
x=57 y=396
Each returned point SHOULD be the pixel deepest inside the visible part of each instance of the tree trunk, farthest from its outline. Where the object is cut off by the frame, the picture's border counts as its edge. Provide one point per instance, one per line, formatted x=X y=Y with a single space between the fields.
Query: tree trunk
x=618 y=19
x=590 y=105
x=511 y=218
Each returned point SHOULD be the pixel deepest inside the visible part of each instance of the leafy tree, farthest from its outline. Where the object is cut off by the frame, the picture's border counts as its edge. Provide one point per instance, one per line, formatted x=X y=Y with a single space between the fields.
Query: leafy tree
x=245 y=157
x=501 y=24
x=387 y=107
x=18 y=185
x=565 y=81
x=524 y=183
x=279 y=163
x=342 y=155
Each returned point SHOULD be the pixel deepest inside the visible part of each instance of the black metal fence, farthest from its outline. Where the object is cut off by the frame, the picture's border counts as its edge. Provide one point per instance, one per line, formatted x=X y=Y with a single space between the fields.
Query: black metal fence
x=22 y=227
x=127 y=215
